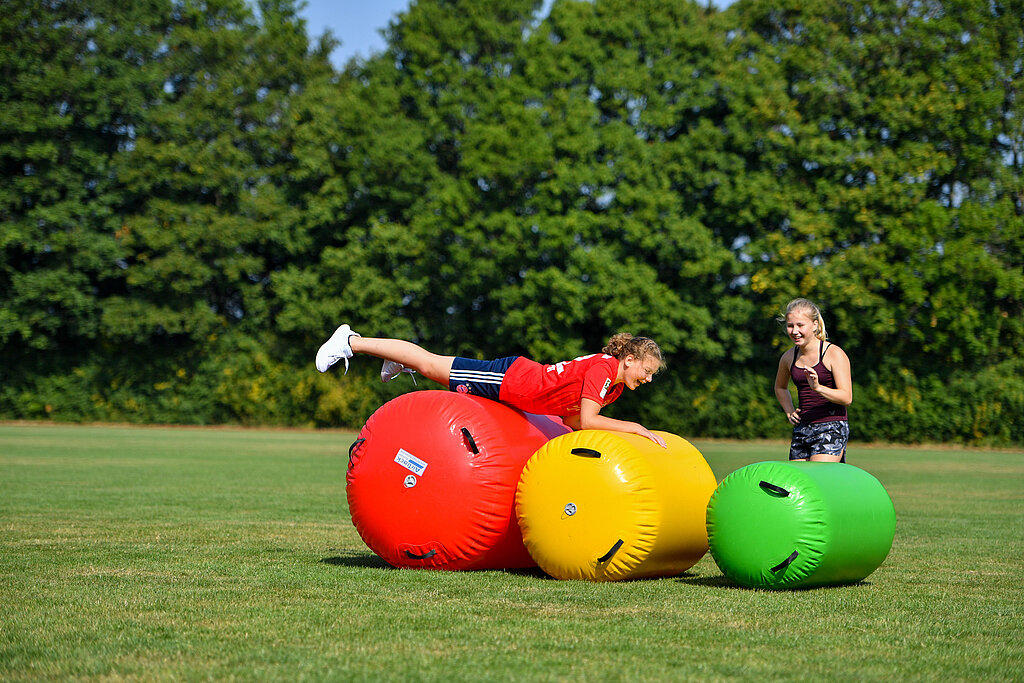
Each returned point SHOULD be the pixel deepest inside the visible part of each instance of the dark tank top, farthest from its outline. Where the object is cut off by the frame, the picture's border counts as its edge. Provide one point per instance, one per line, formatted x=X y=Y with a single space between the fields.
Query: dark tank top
x=813 y=406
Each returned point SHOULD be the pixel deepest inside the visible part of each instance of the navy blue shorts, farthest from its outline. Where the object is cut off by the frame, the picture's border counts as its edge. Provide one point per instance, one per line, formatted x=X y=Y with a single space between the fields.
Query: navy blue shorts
x=479 y=377
x=819 y=437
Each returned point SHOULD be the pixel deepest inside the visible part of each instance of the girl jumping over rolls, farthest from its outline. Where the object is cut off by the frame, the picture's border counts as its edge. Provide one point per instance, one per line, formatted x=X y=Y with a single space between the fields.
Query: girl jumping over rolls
x=575 y=390
x=821 y=372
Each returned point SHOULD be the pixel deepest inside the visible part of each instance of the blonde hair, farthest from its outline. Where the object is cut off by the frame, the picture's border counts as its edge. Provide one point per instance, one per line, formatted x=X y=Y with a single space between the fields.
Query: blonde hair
x=812 y=311
x=624 y=344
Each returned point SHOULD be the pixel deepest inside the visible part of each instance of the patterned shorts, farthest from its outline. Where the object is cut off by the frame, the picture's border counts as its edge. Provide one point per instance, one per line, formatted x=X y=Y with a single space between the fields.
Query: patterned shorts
x=819 y=437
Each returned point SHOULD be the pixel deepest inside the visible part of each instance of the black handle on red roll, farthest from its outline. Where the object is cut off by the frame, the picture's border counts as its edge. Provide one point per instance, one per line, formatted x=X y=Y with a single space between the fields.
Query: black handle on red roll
x=469 y=439
x=352 y=448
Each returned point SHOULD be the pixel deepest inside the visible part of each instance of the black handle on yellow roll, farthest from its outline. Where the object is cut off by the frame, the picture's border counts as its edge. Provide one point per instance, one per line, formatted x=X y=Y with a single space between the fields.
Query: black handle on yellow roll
x=608 y=555
x=773 y=489
x=591 y=453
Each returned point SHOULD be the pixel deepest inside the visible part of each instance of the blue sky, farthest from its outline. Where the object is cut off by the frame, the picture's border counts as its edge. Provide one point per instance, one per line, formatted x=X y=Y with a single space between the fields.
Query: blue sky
x=357 y=23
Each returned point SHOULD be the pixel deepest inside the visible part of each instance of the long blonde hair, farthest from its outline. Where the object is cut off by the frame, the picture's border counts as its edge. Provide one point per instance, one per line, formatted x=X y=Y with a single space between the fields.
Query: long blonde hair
x=812 y=311
x=624 y=344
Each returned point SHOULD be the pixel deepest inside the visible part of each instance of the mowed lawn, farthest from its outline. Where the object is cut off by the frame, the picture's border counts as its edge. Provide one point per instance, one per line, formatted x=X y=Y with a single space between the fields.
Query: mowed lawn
x=185 y=554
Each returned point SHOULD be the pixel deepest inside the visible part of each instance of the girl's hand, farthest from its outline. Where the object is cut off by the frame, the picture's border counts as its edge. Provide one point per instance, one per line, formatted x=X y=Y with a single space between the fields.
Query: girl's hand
x=793 y=417
x=590 y=418
x=812 y=379
x=653 y=437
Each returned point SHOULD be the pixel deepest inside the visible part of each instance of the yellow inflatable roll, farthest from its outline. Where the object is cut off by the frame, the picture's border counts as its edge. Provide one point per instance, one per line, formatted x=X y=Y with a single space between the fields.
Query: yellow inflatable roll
x=607 y=506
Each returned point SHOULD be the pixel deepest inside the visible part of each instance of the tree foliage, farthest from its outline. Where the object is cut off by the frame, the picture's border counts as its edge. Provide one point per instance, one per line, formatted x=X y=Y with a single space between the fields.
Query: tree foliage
x=192 y=198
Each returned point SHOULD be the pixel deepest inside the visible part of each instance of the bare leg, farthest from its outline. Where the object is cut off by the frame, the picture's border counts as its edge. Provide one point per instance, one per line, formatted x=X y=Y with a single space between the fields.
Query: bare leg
x=825 y=457
x=430 y=365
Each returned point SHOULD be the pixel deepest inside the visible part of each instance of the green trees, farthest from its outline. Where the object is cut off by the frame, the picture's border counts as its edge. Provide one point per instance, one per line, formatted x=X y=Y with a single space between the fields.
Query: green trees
x=889 y=134
x=70 y=90
x=143 y=202
x=211 y=210
x=75 y=79
x=893 y=141
x=192 y=198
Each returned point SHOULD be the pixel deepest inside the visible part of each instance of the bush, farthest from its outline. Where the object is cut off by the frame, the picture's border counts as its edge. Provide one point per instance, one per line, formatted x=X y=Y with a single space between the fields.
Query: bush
x=239 y=381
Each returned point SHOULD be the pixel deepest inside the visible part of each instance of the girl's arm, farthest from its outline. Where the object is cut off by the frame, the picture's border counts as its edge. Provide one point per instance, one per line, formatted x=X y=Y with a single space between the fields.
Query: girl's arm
x=782 y=390
x=840 y=369
x=590 y=417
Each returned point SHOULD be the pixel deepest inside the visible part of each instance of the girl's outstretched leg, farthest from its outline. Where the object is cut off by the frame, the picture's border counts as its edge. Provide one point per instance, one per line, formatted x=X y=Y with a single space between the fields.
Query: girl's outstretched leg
x=344 y=343
x=431 y=365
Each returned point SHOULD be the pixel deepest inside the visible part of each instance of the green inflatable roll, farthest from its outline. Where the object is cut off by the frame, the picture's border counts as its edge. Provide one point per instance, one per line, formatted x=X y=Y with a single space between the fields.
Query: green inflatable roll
x=799 y=524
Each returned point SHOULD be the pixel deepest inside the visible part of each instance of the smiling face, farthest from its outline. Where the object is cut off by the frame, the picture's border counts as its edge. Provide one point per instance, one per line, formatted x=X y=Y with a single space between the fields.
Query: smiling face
x=636 y=371
x=800 y=327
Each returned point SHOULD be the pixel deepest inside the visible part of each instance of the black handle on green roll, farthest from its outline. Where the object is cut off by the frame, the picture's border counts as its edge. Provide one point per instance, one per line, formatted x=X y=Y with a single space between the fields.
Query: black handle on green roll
x=773 y=489
x=785 y=563
x=608 y=555
x=586 y=452
x=413 y=556
x=469 y=438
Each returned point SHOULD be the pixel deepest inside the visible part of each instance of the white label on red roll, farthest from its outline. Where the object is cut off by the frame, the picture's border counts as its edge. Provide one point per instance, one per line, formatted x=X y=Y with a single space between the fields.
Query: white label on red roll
x=410 y=462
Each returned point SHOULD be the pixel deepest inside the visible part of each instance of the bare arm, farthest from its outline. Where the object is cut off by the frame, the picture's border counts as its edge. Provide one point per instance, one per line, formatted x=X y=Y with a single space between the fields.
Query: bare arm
x=840 y=369
x=782 y=390
x=590 y=417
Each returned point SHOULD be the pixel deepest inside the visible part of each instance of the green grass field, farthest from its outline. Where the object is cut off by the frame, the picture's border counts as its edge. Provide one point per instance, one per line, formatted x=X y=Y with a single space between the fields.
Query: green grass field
x=184 y=554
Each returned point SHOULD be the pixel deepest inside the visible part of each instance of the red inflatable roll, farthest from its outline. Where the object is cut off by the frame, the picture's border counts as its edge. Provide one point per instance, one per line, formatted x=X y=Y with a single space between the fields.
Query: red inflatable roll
x=432 y=480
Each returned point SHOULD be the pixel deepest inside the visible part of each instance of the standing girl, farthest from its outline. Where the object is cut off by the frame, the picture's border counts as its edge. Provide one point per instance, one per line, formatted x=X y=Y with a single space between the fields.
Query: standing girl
x=575 y=390
x=821 y=372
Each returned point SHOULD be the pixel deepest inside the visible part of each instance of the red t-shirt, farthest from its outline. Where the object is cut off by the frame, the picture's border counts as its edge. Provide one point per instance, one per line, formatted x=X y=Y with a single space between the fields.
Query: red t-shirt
x=559 y=389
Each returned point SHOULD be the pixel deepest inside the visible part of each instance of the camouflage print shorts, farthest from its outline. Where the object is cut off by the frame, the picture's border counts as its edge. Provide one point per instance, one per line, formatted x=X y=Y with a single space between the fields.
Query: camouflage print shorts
x=819 y=437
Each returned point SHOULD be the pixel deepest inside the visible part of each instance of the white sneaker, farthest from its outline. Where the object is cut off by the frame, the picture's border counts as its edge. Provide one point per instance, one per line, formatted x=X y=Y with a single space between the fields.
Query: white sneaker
x=336 y=348
x=393 y=369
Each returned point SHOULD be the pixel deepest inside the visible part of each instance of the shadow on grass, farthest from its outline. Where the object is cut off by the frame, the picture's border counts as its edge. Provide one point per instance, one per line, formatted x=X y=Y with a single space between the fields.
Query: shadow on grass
x=723 y=582
x=371 y=561
x=528 y=572
x=708 y=581
x=366 y=560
